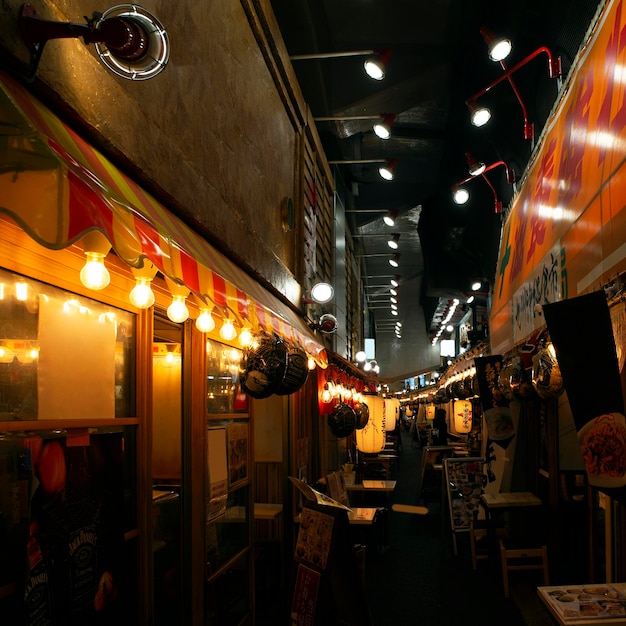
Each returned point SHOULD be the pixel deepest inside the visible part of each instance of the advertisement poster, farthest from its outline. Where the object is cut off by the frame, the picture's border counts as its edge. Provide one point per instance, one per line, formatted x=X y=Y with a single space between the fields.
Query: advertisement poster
x=76 y=571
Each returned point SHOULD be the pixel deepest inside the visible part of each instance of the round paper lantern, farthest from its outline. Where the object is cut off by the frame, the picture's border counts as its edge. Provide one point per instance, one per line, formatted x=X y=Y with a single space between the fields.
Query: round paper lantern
x=371 y=438
x=392 y=409
x=463 y=416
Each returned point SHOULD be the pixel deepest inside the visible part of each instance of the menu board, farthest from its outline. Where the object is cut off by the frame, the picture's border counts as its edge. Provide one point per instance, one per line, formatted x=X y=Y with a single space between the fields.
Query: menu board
x=585 y=604
x=464 y=481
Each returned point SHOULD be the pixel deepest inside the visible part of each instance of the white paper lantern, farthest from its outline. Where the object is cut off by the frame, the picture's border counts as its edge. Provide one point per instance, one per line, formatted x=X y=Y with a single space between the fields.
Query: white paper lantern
x=430 y=411
x=462 y=416
x=371 y=438
x=392 y=410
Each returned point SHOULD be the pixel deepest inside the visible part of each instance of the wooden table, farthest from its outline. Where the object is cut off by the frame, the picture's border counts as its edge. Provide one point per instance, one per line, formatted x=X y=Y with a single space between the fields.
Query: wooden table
x=592 y=610
x=497 y=503
x=386 y=460
x=386 y=486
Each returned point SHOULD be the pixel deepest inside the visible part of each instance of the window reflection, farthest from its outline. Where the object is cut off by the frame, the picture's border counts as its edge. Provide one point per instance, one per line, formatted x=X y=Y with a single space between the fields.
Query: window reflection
x=61 y=355
x=223 y=373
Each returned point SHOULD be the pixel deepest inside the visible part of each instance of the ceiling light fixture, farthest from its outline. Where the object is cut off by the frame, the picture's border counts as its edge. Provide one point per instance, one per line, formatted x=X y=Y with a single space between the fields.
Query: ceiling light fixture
x=374 y=65
x=395 y=281
x=381 y=128
x=481 y=115
x=461 y=195
x=386 y=171
x=130 y=41
x=393 y=243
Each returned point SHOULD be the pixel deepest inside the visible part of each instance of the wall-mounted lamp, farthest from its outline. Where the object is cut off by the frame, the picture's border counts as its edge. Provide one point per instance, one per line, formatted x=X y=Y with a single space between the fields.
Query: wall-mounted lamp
x=390 y=218
x=129 y=40
x=374 y=65
x=386 y=171
x=394 y=261
x=326 y=324
x=321 y=293
x=481 y=115
x=461 y=195
x=393 y=243
x=499 y=47
x=382 y=128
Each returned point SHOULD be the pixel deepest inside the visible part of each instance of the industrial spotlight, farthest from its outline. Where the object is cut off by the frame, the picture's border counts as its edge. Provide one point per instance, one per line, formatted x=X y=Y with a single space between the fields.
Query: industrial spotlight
x=129 y=40
x=476 y=168
x=374 y=65
x=481 y=115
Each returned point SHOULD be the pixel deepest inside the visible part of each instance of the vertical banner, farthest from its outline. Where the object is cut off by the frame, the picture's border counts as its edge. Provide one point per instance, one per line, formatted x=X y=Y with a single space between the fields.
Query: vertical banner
x=582 y=334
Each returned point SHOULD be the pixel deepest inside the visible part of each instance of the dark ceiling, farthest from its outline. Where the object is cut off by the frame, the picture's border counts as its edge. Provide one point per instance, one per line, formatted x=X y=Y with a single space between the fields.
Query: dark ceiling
x=438 y=60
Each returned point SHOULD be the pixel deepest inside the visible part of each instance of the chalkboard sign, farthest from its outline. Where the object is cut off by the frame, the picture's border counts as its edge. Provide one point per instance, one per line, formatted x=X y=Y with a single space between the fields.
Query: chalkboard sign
x=464 y=484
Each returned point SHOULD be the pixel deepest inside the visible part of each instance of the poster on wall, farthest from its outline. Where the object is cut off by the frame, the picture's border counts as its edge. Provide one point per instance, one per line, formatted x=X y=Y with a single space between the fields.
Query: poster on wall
x=76 y=572
x=582 y=334
x=237 y=452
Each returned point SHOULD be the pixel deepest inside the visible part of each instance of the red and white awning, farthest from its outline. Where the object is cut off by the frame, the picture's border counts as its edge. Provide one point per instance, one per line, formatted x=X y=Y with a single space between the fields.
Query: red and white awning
x=58 y=188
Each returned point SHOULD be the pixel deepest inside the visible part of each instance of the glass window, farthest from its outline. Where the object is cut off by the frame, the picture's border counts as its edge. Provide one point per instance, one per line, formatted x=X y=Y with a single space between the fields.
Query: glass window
x=223 y=371
x=63 y=356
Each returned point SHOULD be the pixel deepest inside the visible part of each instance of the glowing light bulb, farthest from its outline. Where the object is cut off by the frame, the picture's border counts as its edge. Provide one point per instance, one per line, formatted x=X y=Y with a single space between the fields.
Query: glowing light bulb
x=205 y=322
x=228 y=331
x=141 y=294
x=311 y=364
x=245 y=337
x=94 y=274
x=178 y=311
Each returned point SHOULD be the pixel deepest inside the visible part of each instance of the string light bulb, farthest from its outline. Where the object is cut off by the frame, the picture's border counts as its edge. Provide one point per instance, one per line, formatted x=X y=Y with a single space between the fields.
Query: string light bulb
x=177 y=311
x=228 y=331
x=141 y=295
x=94 y=275
x=205 y=322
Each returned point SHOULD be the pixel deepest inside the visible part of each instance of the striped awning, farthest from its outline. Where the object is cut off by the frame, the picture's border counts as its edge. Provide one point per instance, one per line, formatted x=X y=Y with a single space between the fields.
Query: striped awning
x=58 y=188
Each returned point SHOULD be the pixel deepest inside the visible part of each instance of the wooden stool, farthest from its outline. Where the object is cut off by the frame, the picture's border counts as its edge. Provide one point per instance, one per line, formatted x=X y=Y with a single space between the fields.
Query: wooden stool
x=515 y=559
